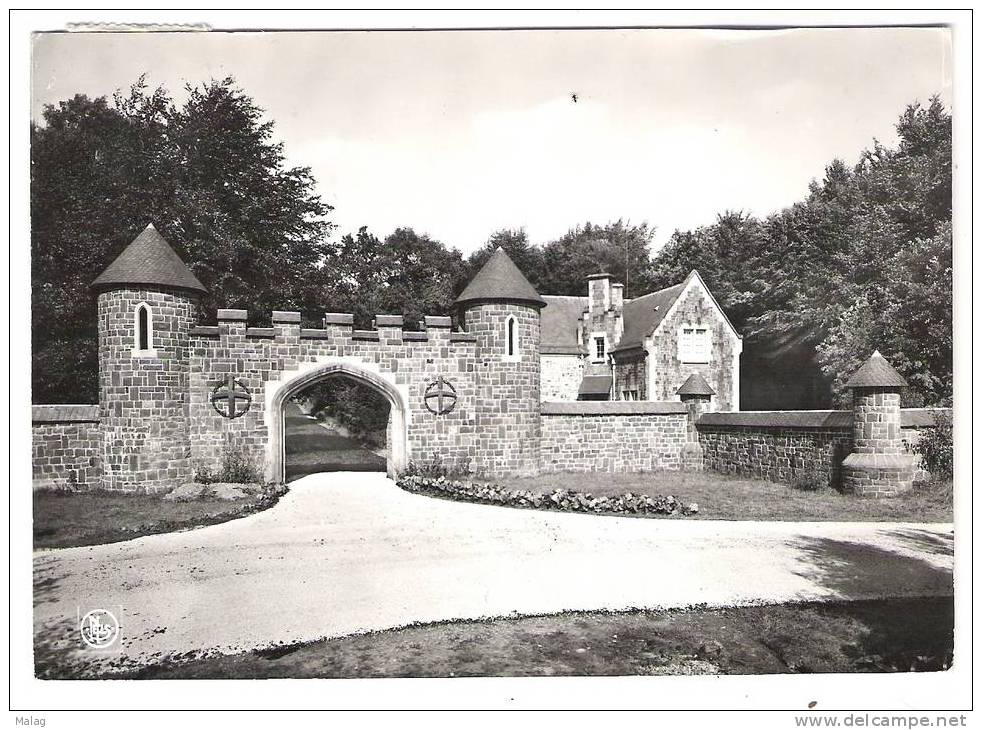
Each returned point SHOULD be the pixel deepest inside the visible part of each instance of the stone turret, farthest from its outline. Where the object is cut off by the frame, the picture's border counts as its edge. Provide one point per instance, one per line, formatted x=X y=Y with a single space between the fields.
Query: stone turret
x=500 y=308
x=146 y=301
x=878 y=465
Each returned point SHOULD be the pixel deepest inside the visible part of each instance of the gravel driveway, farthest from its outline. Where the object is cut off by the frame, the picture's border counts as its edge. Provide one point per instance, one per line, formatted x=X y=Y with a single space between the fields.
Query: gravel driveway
x=351 y=552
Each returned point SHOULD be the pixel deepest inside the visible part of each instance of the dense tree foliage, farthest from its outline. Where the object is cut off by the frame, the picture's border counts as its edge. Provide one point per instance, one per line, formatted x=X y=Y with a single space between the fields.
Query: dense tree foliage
x=863 y=263
x=209 y=177
x=406 y=273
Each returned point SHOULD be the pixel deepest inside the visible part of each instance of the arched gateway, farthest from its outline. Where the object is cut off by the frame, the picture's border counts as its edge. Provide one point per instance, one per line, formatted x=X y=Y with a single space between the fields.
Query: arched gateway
x=176 y=396
x=278 y=393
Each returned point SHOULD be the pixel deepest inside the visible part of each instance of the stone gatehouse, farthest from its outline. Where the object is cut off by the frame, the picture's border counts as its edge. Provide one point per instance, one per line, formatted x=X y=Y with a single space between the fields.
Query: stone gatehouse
x=176 y=393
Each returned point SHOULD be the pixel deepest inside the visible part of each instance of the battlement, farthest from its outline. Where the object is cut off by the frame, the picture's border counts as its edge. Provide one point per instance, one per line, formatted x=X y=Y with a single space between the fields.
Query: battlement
x=336 y=326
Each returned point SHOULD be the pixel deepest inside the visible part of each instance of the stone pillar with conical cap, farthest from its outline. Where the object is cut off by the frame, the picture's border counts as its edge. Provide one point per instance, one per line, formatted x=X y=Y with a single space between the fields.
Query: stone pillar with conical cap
x=696 y=393
x=501 y=309
x=147 y=301
x=878 y=465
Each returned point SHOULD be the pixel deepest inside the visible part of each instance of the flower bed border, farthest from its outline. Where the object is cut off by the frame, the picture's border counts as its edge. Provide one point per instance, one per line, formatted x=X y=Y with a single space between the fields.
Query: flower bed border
x=564 y=500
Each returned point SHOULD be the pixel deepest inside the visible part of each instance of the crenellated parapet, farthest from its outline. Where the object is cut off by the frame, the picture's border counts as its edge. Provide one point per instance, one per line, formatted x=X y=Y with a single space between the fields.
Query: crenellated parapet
x=336 y=327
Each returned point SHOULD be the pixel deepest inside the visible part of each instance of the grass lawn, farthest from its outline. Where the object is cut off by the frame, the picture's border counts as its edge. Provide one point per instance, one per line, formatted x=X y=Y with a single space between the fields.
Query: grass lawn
x=864 y=636
x=722 y=497
x=68 y=519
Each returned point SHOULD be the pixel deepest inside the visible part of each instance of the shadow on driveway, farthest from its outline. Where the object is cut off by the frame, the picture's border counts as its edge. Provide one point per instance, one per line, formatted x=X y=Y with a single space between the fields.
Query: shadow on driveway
x=855 y=570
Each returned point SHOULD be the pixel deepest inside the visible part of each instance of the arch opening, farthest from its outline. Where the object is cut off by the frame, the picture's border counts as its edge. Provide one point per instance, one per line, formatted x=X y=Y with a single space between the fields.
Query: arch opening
x=142 y=328
x=282 y=404
x=336 y=423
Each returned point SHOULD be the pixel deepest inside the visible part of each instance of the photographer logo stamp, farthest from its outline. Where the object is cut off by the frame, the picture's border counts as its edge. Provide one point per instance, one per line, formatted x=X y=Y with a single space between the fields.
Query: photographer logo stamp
x=99 y=628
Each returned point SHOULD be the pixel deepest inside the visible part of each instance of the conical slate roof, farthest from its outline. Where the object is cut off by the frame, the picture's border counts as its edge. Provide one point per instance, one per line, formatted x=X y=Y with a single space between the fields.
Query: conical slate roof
x=148 y=261
x=876 y=373
x=695 y=384
x=500 y=280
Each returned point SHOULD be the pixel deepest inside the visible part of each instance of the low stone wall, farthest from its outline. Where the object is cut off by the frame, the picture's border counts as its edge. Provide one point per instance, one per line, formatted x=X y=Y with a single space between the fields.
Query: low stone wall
x=66 y=447
x=775 y=445
x=608 y=436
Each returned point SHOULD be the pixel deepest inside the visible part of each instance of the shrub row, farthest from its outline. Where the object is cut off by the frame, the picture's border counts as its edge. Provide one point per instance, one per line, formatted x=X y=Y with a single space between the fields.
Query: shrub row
x=559 y=499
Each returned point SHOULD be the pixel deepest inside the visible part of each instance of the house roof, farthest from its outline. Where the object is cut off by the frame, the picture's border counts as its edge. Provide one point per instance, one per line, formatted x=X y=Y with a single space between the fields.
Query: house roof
x=500 y=280
x=644 y=314
x=560 y=322
x=596 y=384
x=876 y=373
x=695 y=384
x=149 y=261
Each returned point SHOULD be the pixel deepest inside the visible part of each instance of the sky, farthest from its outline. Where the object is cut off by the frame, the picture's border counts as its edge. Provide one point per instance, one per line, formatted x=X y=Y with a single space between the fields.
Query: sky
x=461 y=134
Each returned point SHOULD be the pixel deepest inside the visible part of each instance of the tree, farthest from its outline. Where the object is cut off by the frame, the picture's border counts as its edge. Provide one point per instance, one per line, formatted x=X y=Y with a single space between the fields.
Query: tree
x=406 y=273
x=515 y=242
x=423 y=275
x=863 y=263
x=209 y=176
x=726 y=256
x=618 y=248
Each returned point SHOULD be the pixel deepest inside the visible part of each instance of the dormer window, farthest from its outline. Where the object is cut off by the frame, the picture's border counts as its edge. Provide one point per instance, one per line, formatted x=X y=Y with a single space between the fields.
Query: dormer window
x=143 y=331
x=695 y=345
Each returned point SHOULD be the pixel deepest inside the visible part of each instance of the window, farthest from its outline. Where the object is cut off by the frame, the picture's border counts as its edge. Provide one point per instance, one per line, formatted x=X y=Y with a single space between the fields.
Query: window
x=599 y=349
x=143 y=331
x=694 y=344
x=511 y=339
x=630 y=395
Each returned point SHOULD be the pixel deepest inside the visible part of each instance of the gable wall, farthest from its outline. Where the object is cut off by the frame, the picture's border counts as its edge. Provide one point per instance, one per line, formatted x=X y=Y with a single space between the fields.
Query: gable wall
x=666 y=374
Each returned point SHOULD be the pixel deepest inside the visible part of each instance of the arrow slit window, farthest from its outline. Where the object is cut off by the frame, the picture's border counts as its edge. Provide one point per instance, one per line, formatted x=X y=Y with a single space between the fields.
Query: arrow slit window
x=511 y=339
x=143 y=331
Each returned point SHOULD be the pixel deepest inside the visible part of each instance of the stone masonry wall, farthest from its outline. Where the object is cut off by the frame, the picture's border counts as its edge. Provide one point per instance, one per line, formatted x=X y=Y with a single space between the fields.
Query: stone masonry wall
x=507 y=390
x=775 y=454
x=609 y=436
x=605 y=316
x=697 y=310
x=879 y=465
x=260 y=356
x=143 y=398
x=773 y=445
x=561 y=377
x=66 y=447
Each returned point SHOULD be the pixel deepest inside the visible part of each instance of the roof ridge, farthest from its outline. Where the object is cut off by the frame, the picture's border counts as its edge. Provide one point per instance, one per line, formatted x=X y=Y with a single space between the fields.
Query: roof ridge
x=653 y=293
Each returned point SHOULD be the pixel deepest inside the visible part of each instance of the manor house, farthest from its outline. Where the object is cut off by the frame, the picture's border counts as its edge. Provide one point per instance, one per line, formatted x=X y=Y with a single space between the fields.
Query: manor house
x=604 y=347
